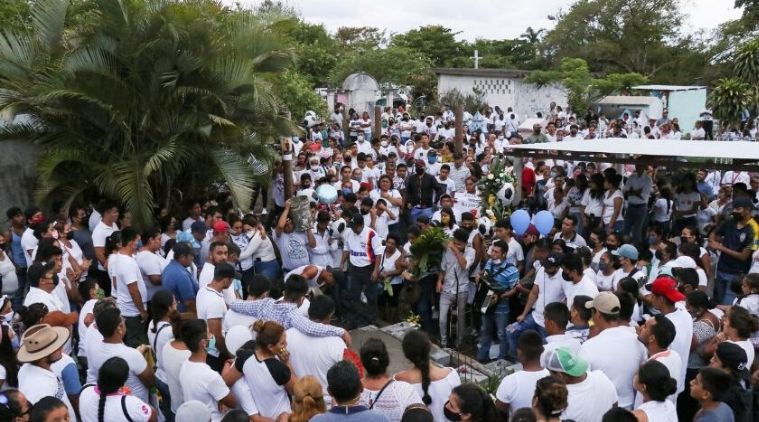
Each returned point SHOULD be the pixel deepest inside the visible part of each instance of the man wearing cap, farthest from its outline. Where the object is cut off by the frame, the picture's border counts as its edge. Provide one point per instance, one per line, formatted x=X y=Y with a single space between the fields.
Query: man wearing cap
x=180 y=280
x=590 y=394
x=422 y=189
x=664 y=295
x=615 y=350
x=41 y=346
x=627 y=256
x=548 y=288
x=212 y=307
x=734 y=239
x=361 y=247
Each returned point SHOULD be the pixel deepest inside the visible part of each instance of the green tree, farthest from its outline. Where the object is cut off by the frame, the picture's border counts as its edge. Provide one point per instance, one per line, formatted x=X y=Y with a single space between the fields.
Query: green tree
x=151 y=98
x=295 y=91
x=532 y=36
x=392 y=64
x=360 y=38
x=583 y=88
x=15 y=15
x=728 y=98
x=435 y=42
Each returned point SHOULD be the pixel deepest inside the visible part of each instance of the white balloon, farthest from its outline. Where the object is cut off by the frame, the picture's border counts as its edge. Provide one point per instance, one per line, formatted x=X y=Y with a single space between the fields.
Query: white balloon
x=327 y=194
x=506 y=194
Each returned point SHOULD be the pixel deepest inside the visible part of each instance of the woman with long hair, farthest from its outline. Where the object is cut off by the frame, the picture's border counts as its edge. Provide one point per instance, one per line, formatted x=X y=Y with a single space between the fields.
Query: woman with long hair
x=593 y=201
x=470 y=403
x=550 y=399
x=308 y=399
x=654 y=383
x=613 y=200
x=687 y=203
x=109 y=400
x=8 y=364
x=382 y=393
x=163 y=309
x=173 y=355
x=432 y=383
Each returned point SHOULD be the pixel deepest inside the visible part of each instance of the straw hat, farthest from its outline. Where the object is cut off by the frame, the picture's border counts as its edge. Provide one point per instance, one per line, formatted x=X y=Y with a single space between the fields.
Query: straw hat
x=40 y=341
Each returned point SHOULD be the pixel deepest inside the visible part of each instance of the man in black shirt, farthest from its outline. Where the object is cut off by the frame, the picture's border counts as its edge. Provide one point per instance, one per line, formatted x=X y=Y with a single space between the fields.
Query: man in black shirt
x=422 y=189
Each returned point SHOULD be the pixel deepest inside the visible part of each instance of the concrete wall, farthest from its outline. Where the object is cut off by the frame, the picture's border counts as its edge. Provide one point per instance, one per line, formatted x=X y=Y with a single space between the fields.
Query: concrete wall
x=526 y=99
x=687 y=106
x=18 y=173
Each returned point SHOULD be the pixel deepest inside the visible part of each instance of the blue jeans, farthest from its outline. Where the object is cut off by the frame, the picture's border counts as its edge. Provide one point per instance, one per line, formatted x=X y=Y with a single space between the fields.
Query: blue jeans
x=722 y=293
x=416 y=212
x=495 y=321
x=634 y=219
x=269 y=269
x=527 y=324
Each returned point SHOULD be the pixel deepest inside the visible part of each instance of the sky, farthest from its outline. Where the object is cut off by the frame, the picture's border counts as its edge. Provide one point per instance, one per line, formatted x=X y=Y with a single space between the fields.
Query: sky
x=489 y=19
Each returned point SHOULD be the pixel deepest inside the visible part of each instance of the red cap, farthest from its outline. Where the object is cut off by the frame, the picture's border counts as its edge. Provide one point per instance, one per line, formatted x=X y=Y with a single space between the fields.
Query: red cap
x=60 y=319
x=666 y=286
x=531 y=229
x=220 y=227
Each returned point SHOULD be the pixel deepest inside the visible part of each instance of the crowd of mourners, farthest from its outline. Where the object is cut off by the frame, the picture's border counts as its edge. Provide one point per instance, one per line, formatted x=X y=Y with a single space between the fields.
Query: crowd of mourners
x=640 y=304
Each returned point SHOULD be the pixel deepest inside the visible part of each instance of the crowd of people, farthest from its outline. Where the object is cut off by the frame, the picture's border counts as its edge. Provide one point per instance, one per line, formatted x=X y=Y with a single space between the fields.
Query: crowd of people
x=640 y=304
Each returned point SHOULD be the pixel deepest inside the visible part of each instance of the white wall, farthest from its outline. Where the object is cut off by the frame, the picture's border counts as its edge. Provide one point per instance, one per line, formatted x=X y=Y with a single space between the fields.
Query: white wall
x=526 y=99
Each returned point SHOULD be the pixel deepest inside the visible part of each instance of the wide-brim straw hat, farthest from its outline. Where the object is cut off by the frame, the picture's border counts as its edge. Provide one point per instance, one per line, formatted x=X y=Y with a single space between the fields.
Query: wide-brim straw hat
x=41 y=342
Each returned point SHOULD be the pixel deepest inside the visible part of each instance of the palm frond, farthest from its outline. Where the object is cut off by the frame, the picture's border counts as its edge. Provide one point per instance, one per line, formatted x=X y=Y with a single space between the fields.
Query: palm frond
x=48 y=17
x=237 y=173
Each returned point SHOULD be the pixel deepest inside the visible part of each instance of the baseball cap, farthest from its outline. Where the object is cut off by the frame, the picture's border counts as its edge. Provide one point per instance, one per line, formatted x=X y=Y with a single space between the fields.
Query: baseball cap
x=199 y=226
x=563 y=360
x=605 y=303
x=684 y=262
x=626 y=251
x=742 y=202
x=60 y=319
x=419 y=163
x=553 y=260
x=223 y=270
x=220 y=227
x=666 y=286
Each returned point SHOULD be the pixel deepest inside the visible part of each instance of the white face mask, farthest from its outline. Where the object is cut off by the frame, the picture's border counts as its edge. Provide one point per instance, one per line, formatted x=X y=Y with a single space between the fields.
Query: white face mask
x=383 y=144
x=314 y=167
x=9 y=317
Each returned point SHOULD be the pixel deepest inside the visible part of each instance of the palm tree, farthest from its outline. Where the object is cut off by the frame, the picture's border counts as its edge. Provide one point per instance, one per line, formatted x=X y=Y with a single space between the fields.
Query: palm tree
x=152 y=96
x=532 y=36
x=728 y=99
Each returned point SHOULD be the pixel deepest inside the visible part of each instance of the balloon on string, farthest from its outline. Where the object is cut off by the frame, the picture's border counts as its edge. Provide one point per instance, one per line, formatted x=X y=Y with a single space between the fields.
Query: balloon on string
x=544 y=222
x=520 y=220
x=327 y=194
x=506 y=194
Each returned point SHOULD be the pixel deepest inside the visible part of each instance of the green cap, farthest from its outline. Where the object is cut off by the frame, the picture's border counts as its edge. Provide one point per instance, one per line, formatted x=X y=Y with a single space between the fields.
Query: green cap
x=564 y=360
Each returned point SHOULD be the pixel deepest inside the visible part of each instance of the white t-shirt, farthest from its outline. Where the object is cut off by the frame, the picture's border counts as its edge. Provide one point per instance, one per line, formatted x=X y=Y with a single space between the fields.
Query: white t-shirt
x=662 y=210
x=232 y=318
x=586 y=287
x=100 y=235
x=518 y=388
x=29 y=243
x=206 y=276
x=608 y=203
x=125 y=271
x=618 y=353
x=550 y=290
x=674 y=364
x=397 y=396
x=314 y=355
x=172 y=363
x=150 y=264
x=164 y=333
x=681 y=344
x=684 y=201
x=99 y=352
x=86 y=310
x=36 y=295
x=36 y=383
x=580 y=406
x=267 y=380
x=89 y=403
x=200 y=382
x=364 y=247
x=210 y=305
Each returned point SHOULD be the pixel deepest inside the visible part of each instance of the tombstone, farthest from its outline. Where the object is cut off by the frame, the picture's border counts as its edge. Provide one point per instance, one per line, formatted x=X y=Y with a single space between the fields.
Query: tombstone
x=361 y=91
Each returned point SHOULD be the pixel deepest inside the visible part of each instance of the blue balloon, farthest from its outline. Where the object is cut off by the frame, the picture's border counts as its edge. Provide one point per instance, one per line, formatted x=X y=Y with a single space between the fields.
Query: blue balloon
x=520 y=220
x=544 y=222
x=327 y=194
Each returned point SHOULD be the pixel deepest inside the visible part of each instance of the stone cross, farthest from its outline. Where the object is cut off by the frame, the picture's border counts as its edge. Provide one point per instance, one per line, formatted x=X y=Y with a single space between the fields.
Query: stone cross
x=476 y=58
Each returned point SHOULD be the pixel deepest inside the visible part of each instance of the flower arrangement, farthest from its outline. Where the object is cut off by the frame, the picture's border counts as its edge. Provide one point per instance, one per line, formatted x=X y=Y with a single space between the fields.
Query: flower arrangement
x=413 y=320
x=427 y=251
x=493 y=205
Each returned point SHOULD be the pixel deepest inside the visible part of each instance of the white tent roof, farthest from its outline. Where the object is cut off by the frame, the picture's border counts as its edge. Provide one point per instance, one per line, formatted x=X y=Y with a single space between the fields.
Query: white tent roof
x=623 y=100
x=694 y=154
x=668 y=87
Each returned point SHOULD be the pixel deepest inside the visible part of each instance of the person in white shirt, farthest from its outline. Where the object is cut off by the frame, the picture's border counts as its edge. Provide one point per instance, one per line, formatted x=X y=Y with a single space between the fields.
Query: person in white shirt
x=576 y=282
x=211 y=308
x=109 y=393
x=218 y=254
x=42 y=281
x=615 y=350
x=581 y=384
x=556 y=317
x=361 y=247
x=129 y=288
x=315 y=355
x=100 y=234
x=657 y=335
x=517 y=390
x=149 y=261
x=637 y=190
x=111 y=326
x=200 y=382
x=655 y=385
x=41 y=347
x=627 y=256
x=193 y=214
x=569 y=233
x=453 y=284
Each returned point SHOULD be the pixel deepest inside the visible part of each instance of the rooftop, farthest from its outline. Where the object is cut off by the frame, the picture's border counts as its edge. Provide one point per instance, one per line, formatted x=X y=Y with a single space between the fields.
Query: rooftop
x=484 y=73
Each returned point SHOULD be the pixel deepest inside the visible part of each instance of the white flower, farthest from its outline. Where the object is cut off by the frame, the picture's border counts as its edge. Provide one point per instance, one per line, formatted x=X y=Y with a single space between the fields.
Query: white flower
x=490 y=176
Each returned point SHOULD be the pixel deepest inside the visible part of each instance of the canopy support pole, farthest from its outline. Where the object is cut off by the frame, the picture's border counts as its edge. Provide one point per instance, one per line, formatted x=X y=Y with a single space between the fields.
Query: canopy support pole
x=518 y=166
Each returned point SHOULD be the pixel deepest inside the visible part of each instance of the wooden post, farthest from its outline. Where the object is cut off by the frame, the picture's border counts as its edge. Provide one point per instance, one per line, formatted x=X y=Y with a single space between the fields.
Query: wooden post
x=287 y=166
x=377 y=123
x=518 y=166
x=458 y=125
x=346 y=128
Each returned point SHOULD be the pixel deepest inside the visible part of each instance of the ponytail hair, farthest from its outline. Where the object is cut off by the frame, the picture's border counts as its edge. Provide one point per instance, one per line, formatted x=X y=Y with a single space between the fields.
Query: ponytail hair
x=476 y=402
x=655 y=376
x=551 y=395
x=160 y=306
x=308 y=399
x=111 y=377
x=416 y=347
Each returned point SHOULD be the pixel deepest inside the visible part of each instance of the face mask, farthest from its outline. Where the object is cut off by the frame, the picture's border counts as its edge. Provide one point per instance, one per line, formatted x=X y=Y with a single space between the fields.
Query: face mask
x=314 y=167
x=553 y=174
x=651 y=240
x=565 y=276
x=420 y=170
x=496 y=261
x=211 y=344
x=100 y=293
x=361 y=140
x=737 y=216
x=364 y=212
x=603 y=266
x=450 y=415
x=659 y=255
x=347 y=191
x=383 y=144
x=8 y=317
x=70 y=235
x=432 y=159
